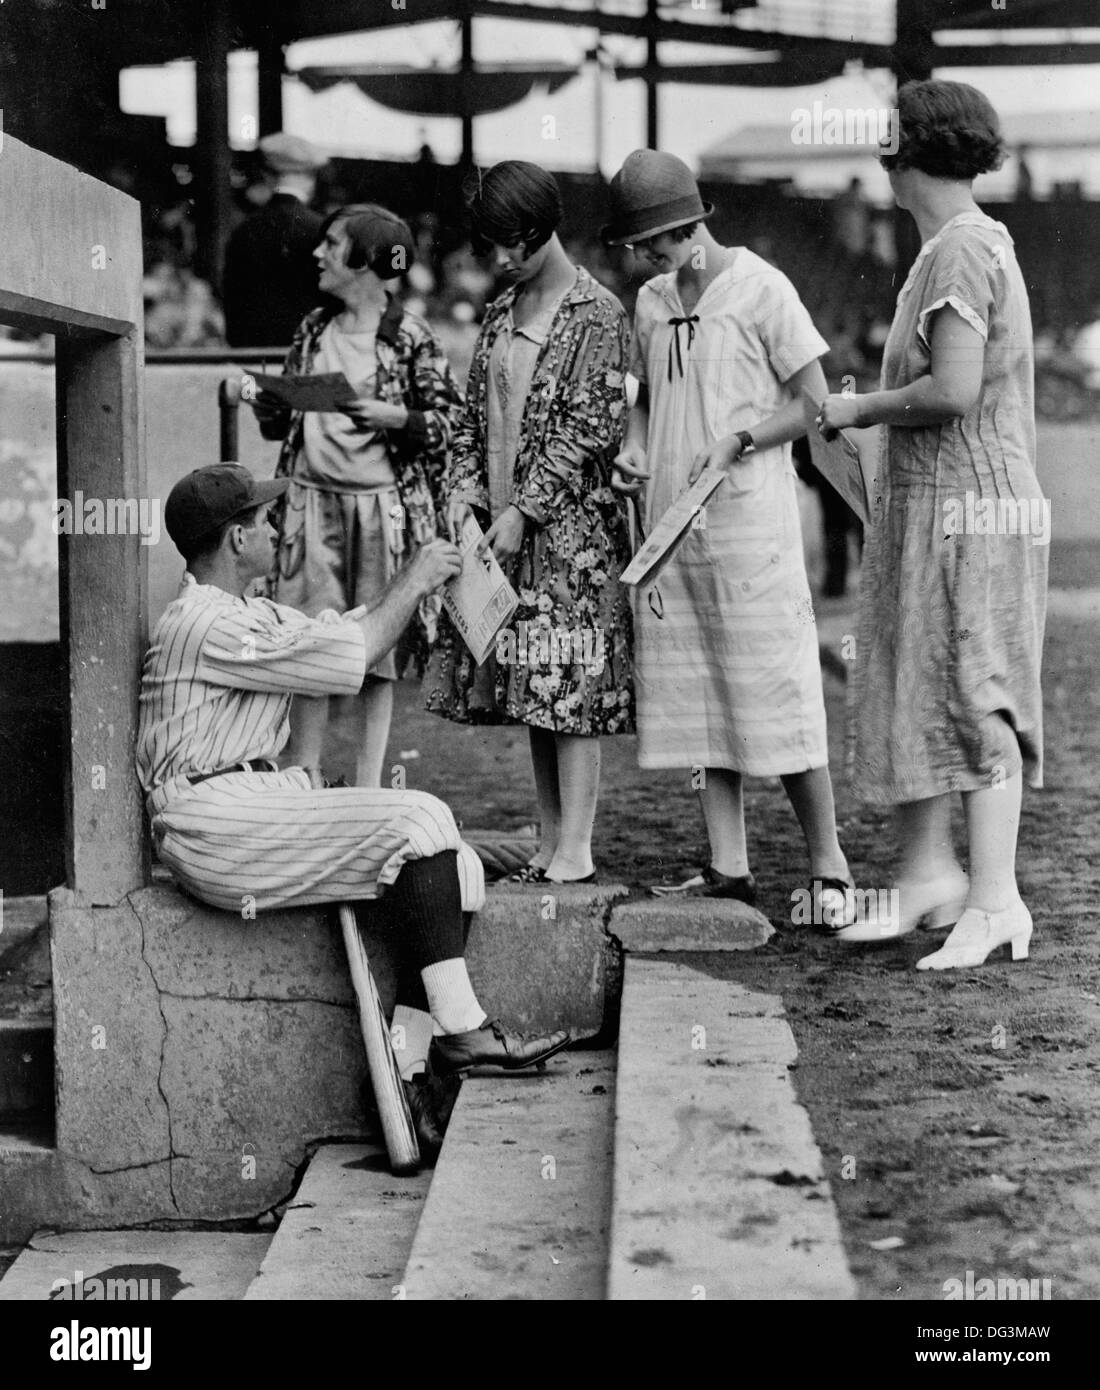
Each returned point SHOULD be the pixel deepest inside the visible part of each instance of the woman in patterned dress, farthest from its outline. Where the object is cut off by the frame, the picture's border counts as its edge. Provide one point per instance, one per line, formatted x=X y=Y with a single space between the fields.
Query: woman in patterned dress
x=946 y=695
x=545 y=409
x=365 y=476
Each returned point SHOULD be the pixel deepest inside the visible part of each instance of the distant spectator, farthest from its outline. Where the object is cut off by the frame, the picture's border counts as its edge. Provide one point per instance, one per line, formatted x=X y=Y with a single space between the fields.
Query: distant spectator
x=883 y=243
x=764 y=247
x=270 y=272
x=837 y=520
x=466 y=286
x=180 y=309
x=1086 y=347
x=1024 y=182
x=852 y=219
x=170 y=235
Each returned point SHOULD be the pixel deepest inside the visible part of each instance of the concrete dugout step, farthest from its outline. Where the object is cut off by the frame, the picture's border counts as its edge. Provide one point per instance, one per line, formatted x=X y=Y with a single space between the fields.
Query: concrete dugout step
x=519 y=1206
x=347 y=1232
x=134 y=1266
x=719 y=1190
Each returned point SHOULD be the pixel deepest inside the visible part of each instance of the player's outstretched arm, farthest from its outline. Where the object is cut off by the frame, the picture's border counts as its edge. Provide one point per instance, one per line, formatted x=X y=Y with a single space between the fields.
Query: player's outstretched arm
x=432 y=566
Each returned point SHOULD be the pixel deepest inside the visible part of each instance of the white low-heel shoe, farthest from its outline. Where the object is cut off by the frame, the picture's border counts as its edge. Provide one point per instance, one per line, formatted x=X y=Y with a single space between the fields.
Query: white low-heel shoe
x=977 y=933
x=933 y=903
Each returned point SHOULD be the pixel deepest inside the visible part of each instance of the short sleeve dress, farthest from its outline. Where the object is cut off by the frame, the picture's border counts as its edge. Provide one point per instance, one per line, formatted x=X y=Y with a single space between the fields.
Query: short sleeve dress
x=727 y=671
x=945 y=694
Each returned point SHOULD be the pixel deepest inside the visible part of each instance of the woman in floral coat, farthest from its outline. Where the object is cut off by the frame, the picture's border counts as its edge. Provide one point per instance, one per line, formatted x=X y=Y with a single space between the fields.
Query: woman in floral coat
x=365 y=476
x=546 y=407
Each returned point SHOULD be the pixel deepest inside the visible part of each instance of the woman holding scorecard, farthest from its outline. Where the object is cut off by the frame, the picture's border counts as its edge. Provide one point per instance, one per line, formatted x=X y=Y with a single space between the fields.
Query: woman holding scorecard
x=728 y=677
x=546 y=404
x=365 y=469
x=945 y=694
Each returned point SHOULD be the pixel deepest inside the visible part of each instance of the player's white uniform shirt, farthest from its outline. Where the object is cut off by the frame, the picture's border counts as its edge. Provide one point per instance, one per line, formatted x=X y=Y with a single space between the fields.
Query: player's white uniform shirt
x=216 y=690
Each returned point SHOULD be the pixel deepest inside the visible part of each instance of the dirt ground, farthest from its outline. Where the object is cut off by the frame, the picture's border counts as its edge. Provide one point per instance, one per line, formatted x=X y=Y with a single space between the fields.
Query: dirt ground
x=959 y=1113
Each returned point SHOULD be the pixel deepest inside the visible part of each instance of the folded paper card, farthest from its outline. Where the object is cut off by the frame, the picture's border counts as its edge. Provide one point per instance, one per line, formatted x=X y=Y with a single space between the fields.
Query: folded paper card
x=479 y=599
x=839 y=460
x=326 y=391
x=670 y=531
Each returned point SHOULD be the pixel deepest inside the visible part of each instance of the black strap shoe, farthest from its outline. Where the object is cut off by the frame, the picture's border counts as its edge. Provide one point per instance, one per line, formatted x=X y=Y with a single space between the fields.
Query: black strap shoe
x=709 y=884
x=721 y=885
x=492 y=1045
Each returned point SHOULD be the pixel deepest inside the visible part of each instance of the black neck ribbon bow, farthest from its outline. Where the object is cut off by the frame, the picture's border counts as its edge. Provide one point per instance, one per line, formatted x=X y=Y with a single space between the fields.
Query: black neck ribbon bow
x=691 y=320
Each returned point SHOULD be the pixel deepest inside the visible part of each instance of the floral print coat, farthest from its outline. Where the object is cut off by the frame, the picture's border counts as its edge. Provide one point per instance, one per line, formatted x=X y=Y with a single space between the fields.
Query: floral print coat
x=576 y=541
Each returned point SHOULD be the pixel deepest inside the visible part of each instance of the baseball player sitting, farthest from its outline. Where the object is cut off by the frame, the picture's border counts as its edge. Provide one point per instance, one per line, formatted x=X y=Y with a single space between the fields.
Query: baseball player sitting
x=239 y=833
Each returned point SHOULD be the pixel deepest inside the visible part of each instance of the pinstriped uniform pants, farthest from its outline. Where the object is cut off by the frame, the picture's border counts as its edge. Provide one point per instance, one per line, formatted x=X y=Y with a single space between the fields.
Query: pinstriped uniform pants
x=270 y=838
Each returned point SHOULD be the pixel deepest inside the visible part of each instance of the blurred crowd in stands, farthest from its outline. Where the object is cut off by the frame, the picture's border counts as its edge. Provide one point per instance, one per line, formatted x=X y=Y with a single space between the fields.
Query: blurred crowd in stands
x=840 y=255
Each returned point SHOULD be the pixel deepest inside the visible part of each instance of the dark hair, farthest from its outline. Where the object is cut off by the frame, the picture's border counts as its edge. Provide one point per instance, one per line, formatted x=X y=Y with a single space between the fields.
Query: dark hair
x=515 y=201
x=210 y=544
x=685 y=232
x=946 y=129
x=374 y=236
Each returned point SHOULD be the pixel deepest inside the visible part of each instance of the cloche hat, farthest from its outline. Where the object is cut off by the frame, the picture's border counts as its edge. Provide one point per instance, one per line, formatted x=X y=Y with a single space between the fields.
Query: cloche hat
x=652 y=193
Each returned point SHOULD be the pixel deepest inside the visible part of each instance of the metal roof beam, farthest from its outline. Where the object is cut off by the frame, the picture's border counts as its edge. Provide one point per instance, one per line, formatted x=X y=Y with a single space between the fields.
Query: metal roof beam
x=636 y=26
x=1004 y=55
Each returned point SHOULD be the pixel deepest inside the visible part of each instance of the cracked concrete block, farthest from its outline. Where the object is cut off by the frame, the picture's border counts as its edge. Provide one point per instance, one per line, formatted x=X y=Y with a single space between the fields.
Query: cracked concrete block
x=42 y=1187
x=268 y=1075
x=540 y=955
x=689 y=924
x=109 y=1032
x=194 y=949
x=212 y=1187
x=211 y=1039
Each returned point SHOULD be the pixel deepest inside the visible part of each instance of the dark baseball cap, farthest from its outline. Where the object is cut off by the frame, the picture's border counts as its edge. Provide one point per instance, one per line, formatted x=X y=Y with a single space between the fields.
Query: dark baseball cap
x=211 y=496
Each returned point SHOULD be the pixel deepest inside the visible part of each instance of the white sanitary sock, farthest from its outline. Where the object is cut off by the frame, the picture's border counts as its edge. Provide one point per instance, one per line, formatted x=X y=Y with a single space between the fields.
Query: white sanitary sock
x=451 y=996
x=411 y=1032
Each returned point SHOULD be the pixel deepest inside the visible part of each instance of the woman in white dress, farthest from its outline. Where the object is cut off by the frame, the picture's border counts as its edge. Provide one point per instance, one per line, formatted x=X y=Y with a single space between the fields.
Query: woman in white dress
x=727 y=680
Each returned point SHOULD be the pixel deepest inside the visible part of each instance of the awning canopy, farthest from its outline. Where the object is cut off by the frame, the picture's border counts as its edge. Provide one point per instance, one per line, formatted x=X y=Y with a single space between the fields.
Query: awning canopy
x=439 y=92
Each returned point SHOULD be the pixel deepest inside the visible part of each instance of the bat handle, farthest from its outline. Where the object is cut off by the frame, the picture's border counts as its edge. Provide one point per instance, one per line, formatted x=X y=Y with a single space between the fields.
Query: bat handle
x=829 y=435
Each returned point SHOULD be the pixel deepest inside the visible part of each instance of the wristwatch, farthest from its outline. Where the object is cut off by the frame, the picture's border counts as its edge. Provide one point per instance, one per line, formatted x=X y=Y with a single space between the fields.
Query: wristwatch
x=748 y=445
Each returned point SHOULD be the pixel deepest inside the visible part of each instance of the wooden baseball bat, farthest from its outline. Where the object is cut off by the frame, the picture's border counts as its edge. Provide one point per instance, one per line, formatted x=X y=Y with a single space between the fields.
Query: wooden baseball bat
x=398 y=1129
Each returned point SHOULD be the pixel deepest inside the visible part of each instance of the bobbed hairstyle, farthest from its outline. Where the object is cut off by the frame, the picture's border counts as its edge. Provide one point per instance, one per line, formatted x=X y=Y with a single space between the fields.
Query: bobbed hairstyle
x=377 y=238
x=514 y=202
x=948 y=130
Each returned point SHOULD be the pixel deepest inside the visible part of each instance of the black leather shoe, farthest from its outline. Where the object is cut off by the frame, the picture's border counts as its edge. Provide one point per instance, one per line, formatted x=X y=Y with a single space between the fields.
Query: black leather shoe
x=429 y=1132
x=492 y=1045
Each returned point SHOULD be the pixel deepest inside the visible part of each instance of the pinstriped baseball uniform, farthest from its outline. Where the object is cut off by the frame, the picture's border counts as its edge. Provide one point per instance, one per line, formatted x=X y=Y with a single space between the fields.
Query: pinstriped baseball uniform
x=215 y=690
